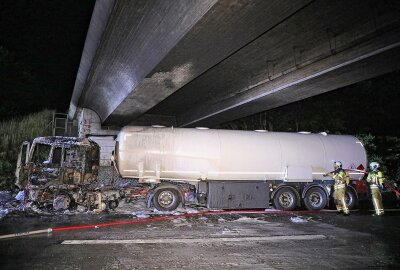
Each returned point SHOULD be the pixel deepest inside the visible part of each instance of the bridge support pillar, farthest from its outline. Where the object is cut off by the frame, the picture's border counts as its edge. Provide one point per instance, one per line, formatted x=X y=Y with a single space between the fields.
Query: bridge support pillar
x=90 y=127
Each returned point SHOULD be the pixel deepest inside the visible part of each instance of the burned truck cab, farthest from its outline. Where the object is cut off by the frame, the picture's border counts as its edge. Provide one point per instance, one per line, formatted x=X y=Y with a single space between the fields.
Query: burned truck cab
x=79 y=162
x=61 y=167
x=58 y=160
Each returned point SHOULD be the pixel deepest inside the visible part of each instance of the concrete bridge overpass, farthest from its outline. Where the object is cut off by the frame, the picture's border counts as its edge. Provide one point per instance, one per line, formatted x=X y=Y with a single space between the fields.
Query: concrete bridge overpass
x=204 y=62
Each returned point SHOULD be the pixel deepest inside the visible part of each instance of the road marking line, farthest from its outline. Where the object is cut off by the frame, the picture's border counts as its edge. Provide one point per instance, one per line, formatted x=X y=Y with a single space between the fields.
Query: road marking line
x=195 y=240
x=386 y=210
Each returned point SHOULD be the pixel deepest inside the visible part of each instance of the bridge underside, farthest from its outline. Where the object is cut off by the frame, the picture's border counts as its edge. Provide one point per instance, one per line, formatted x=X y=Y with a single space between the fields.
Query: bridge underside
x=201 y=63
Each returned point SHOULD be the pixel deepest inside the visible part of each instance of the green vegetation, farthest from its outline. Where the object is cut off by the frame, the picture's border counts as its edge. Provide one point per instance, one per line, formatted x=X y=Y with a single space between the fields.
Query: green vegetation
x=386 y=151
x=12 y=134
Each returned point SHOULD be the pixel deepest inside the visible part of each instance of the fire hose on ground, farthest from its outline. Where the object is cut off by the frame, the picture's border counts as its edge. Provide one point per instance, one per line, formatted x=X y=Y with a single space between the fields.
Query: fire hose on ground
x=153 y=219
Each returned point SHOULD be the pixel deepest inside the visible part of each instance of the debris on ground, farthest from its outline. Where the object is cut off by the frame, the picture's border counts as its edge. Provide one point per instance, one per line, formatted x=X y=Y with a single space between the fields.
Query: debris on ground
x=298 y=219
x=14 y=204
x=4 y=212
x=20 y=196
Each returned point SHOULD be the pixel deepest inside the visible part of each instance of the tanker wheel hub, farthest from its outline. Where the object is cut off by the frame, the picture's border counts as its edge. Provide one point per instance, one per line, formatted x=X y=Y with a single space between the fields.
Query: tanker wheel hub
x=286 y=199
x=166 y=198
x=315 y=199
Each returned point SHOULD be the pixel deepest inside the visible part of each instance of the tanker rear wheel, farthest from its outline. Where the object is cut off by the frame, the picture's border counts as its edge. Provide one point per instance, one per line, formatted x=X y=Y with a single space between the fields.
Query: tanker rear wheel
x=166 y=199
x=315 y=199
x=350 y=197
x=285 y=199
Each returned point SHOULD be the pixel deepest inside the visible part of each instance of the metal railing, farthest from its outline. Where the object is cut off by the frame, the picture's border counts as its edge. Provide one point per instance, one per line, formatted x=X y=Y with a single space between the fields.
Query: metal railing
x=61 y=126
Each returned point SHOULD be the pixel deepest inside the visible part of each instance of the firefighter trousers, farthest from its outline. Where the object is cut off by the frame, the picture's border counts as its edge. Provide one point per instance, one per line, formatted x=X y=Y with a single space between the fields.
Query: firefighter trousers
x=340 y=199
x=377 y=199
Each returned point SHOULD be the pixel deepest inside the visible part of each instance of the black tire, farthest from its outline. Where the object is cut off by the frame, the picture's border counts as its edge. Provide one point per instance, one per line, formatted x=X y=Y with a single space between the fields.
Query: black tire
x=166 y=199
x=285 y=199
x=315 y=199
x=351 y=199
x=113 y=204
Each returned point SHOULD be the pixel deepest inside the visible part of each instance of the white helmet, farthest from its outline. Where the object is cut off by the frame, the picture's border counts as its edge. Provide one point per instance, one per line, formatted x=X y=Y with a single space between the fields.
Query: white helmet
x=337 y=165
x=374 y=166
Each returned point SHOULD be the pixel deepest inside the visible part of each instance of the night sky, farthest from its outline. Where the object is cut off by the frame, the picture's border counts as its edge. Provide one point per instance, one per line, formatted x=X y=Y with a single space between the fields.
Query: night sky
x=41 y=43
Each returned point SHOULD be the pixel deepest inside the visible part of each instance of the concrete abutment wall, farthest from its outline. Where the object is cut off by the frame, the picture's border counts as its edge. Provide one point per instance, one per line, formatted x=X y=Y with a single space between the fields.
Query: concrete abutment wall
x=89 y=125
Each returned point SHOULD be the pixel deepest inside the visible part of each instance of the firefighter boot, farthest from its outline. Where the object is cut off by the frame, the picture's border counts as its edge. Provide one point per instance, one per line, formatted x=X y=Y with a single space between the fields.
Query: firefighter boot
x=339 y=209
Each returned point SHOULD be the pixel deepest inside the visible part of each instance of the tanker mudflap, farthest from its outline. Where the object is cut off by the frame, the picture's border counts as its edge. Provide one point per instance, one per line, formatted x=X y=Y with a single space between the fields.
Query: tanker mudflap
x=149 y=199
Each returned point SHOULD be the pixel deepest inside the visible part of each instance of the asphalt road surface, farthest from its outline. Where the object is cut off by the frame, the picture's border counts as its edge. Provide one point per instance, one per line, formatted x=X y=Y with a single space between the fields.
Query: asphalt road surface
x=274 y=240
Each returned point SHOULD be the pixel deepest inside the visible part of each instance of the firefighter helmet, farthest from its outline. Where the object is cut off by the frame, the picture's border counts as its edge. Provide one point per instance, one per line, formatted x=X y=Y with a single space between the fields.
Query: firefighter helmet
x=374 y=166
x=337 y=165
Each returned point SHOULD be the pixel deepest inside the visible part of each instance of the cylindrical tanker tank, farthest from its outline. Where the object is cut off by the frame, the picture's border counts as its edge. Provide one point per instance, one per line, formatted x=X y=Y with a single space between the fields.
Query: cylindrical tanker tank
x=205 y=154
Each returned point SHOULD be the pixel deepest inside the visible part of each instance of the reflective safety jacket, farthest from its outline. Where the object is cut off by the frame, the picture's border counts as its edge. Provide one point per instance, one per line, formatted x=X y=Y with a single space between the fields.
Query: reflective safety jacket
x=375 y=178
x=340 y=176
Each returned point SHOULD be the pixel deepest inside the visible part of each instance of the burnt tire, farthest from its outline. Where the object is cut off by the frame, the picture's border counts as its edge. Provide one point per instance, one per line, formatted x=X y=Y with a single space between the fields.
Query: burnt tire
x=113 y=204
x=315 y=199
x=166 y=199
x=285 y=199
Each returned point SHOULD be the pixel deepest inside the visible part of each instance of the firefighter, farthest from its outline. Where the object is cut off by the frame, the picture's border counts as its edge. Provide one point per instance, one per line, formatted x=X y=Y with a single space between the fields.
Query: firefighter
x=375 y=180
x=341 y=178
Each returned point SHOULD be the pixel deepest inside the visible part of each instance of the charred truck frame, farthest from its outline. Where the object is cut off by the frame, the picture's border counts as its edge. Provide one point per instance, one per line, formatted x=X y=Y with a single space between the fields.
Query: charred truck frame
x=62 y=173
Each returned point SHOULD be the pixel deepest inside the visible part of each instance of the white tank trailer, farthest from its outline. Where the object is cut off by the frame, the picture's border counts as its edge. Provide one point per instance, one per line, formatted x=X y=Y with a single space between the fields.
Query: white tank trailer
x=232 y=169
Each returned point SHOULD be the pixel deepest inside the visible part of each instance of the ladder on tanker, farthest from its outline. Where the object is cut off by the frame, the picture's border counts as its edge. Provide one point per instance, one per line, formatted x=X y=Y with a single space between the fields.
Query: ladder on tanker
x=61 y=126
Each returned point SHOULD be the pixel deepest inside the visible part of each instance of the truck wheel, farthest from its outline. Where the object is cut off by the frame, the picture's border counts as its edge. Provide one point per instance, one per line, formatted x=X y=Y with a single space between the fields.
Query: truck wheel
x=61 y=202
x=315 y=199
x=285 y=199
x=351 y=199
x=166 y=199
x=113 y=204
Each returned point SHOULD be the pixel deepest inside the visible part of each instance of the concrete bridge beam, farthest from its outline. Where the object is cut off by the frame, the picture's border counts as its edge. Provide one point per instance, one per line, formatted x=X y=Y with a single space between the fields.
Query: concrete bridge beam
x=378 y=56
